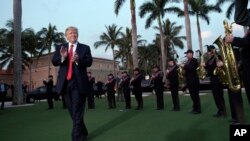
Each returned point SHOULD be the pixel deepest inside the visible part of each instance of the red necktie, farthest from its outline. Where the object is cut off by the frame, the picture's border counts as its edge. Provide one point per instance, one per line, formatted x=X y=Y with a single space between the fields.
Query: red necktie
x=69 y=75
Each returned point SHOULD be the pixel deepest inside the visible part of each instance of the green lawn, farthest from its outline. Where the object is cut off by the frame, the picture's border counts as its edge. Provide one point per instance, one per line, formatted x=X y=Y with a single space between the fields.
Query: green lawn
x=35 y=123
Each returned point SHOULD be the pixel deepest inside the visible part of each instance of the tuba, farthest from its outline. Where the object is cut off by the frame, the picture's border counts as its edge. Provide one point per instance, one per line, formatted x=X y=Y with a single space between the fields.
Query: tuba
x=229 y=74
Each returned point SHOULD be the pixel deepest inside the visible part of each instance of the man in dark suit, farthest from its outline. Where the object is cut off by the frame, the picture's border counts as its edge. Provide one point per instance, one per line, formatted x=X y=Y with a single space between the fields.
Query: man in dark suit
x=3 y=92
x=73 y=59
x=158 y=85
x=49 y=91
x=216 y=84
x=110 y=84
x=242 y=17
x=192 y=81
x=126 y=89
x=137 y=89
x=172 y=76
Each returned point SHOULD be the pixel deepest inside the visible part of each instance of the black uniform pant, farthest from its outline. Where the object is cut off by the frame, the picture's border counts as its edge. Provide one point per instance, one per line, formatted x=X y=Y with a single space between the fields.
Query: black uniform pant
x=2 y=98
x=75 y=101
x=193 y=88
x=217 y=90
x=159 y=98
x=49 y=96
x=139 y=99
x=175 y=96
x=91 y=99
x=127 y=98
x=111 y=99
x=236 y=106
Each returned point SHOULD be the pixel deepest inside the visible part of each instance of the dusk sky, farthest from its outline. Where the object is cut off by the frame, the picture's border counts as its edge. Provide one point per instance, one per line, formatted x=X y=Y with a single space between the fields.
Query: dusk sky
x=91 y=16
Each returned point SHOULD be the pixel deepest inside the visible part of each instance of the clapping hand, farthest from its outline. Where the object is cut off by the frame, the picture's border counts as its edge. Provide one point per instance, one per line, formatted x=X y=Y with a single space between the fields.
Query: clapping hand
x=63 y=52
x=75 y=58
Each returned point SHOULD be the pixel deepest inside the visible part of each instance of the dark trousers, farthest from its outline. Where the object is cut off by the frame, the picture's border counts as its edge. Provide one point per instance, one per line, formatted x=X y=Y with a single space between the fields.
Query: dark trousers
x=236 y=106
x=217 y=90
x=194 y=94
x=76 y=104
x=127 y=98
x=2 y=97
x=139 y=99
x=50 y=100
x=159 y=99
x=111 y=99
x=175 y=96
x=91 y=100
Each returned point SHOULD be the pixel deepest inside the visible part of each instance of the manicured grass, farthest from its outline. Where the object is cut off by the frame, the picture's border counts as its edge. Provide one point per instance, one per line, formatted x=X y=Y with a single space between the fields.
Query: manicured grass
x=35 y=123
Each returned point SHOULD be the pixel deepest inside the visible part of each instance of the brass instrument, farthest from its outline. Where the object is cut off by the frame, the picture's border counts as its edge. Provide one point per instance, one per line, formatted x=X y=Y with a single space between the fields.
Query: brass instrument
x=180 y=72
x=229 y=75
x=202 y=73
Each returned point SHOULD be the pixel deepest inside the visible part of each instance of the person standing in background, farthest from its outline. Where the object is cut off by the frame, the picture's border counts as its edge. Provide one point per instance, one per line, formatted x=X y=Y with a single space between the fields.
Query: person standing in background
x=3 y=92
x=110 y=84
x=90 y=96
x=126 y=89
x=49 y=91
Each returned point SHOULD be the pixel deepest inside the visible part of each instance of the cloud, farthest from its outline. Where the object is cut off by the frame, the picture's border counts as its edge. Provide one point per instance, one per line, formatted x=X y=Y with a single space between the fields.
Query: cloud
x=206 y=34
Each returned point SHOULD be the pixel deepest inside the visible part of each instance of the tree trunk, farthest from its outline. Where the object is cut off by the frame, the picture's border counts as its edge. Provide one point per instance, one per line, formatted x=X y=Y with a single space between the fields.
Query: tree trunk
x=199 y=34
x=30 y=72
x=17 y=14
x=113 y=50
x=163 y=52
x=49 y=61
x=187 y=25
x=134 y=34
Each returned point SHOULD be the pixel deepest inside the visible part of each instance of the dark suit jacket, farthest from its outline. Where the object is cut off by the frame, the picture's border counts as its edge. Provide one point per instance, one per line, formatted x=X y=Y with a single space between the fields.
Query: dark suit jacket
x=242 y=14
x=173 y=78
x=136 y=83
x=49 y=87
x=79 y=70
x=191 y=72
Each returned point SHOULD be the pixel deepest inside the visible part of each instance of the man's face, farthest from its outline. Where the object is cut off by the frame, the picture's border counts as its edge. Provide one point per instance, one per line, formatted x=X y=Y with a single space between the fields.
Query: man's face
x=72 y=35
x=136 y=72
x=171 y=63
x=190 y=55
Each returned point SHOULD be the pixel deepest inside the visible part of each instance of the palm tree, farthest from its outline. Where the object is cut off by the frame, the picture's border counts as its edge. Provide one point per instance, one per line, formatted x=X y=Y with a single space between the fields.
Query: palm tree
x=125 y=46
x=201 y=9
x=148 y=57
x=187 y=25
x=48 y=37
x=17 y=14
x=118 y=5
x=172 y=39
x=7 y=47
x=110 y=39
x=156 y=10
x=30 y=42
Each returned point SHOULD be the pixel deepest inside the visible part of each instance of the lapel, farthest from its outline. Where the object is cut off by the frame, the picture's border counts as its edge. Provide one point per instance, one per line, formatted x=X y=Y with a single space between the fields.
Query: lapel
x=78 y=48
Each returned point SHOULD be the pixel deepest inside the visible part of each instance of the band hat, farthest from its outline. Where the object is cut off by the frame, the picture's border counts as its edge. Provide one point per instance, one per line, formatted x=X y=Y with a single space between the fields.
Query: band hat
x=189 y=51
x=210 y=48
x=137 y=69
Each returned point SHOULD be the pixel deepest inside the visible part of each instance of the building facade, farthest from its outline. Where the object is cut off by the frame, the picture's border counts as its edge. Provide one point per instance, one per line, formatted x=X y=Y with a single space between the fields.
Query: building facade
x=40 y=70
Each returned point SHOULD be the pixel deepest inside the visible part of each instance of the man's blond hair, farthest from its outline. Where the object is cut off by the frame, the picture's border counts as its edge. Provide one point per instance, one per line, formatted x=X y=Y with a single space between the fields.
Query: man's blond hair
x=71 y=28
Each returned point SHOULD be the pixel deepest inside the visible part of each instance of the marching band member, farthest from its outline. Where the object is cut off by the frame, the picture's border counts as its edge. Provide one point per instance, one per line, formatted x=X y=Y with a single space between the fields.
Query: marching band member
x=90 y=96
x=216 y=84
x=137 y=89
x=172 y=76
x=156 y=78
x=193 y=82
x=110 y=84
x=126 y=89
